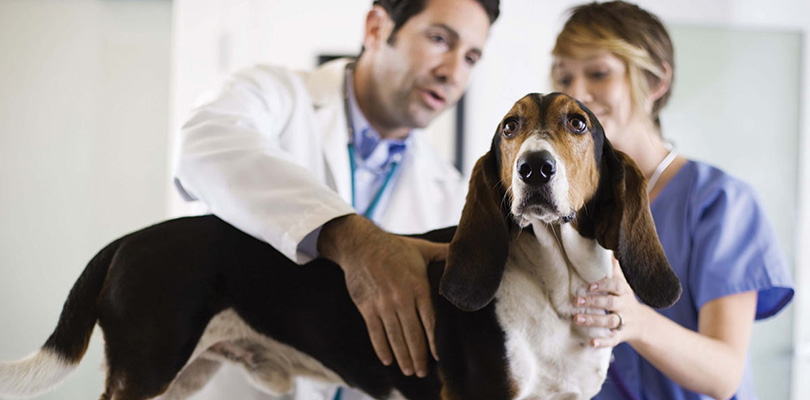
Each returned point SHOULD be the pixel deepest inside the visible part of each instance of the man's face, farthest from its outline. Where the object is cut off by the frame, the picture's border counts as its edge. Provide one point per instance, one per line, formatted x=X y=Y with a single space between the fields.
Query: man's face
x=427 y=67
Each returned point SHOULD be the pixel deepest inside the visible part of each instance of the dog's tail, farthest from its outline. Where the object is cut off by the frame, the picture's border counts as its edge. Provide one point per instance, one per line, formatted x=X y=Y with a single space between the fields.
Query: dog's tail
x=66 y=346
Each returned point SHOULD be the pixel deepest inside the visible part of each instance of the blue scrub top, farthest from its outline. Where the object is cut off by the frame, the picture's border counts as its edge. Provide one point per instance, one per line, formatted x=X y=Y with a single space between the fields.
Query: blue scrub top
x=719 y=242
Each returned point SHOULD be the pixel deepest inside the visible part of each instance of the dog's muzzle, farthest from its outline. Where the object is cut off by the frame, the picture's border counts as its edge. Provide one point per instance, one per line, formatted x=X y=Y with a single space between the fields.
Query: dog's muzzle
x=536 y=168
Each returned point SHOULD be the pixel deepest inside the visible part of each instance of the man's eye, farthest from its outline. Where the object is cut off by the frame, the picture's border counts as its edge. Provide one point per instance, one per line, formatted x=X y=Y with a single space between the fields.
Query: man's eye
x=438 y=39
x=510 y=127
x=577 y=124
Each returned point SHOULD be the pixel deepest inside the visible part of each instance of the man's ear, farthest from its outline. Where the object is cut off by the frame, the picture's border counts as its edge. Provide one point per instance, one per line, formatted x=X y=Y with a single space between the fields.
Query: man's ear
x=478 y=251
x=619 y=218
x=378 y=28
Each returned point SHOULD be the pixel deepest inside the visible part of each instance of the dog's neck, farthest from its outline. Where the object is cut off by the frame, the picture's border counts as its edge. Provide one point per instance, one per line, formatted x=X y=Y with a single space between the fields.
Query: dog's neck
x=557 y=245
x=556 y=260
x=590 y=260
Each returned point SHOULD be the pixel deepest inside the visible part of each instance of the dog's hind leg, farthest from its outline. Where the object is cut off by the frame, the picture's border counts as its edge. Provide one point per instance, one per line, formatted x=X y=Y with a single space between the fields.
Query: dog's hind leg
x=142 y=362
x=193 y=378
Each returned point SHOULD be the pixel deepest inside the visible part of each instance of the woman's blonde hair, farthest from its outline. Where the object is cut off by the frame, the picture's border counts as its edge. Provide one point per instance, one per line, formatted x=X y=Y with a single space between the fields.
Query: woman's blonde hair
x=630 y=33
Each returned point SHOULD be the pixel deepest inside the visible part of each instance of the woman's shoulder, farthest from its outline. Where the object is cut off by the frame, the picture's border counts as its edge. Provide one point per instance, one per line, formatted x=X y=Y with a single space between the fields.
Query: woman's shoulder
x=734 y=241
x=711 y=184
x=701 y=192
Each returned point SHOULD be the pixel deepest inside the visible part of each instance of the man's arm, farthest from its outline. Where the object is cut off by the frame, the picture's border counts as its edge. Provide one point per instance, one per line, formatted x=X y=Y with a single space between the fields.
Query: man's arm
x=231 y=158
x=387 y=279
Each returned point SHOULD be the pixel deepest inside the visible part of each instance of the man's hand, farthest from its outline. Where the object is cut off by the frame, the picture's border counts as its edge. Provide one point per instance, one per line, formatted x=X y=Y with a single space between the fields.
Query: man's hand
x=387 y=279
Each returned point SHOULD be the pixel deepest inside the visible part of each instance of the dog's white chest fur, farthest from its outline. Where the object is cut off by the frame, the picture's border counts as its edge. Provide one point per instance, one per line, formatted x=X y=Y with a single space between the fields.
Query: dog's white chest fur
x=549 y=356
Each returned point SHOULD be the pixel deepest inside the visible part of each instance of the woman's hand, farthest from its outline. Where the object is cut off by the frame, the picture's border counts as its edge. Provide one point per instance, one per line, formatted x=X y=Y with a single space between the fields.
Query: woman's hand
x=708 y=361
x=616 y=308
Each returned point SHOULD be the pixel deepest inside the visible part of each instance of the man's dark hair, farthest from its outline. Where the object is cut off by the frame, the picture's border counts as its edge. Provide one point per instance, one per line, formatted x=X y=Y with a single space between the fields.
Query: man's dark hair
x=401 y=11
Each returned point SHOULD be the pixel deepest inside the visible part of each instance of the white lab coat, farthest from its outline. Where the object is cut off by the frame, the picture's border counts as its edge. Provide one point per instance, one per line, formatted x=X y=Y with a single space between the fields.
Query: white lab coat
x=268 y=154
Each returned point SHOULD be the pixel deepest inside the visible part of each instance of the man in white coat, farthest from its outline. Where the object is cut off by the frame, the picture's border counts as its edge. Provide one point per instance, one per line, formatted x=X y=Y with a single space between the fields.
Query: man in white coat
x=324 y=163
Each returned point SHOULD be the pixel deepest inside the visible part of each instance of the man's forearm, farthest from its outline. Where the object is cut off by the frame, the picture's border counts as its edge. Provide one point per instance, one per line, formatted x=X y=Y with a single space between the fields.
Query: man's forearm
x=344 y=236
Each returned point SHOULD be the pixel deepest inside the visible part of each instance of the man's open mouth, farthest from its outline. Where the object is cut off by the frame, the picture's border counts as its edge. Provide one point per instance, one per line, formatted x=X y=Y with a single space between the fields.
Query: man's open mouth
x=433 y=98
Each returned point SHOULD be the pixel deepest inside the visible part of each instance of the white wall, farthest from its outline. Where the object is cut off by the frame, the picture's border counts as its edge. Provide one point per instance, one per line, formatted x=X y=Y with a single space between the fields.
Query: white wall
x=83 y=128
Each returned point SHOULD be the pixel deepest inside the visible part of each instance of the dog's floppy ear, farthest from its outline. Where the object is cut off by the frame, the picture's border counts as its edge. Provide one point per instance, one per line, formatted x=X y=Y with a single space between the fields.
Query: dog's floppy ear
x=620 y=219
x=479 y=248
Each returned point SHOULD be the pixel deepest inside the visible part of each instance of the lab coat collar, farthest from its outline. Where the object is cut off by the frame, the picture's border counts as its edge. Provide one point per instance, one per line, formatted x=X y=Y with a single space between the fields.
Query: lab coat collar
x=326 y=83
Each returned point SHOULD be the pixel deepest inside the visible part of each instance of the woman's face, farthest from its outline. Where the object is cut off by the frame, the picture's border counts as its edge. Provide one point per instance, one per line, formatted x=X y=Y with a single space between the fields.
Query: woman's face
x=598 y=79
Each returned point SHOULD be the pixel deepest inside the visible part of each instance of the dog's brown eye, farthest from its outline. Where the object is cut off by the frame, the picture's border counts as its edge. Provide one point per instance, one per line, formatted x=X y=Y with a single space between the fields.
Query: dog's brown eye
x=577 y=124
x=510 y=127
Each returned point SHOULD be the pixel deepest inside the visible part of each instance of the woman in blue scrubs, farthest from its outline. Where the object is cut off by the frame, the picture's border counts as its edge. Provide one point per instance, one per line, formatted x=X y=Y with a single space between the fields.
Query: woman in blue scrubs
x=618 y=60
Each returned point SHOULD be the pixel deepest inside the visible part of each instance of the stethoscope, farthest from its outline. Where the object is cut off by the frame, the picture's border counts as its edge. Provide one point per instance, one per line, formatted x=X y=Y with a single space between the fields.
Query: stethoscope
x=352 y=163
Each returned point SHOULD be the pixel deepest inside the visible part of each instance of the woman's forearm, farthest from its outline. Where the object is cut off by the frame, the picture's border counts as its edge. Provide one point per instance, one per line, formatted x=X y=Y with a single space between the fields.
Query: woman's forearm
x=710 y=361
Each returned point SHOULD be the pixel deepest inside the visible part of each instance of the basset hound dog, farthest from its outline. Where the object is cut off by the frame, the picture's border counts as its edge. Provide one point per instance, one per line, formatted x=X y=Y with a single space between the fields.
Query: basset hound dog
x=548 y=206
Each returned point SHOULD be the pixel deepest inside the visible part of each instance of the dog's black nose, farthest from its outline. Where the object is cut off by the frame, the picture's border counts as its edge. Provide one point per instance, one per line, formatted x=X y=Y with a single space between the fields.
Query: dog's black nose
x=536 y=168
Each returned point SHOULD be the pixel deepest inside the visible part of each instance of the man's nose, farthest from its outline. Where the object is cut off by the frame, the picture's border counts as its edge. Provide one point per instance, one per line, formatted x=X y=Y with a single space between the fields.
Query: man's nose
x=452 y=69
